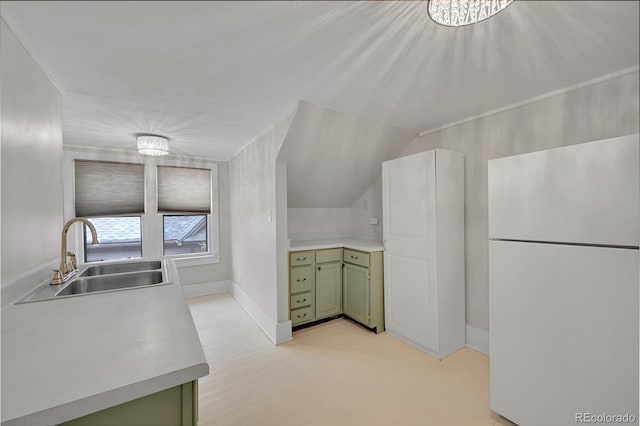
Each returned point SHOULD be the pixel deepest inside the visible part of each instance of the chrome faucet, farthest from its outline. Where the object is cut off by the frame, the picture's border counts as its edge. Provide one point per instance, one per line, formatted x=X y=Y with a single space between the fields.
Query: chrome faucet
x=67 y=270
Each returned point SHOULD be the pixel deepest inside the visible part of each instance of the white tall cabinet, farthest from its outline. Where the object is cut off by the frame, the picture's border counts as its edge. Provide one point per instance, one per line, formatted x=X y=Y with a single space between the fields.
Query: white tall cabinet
x=423 y=229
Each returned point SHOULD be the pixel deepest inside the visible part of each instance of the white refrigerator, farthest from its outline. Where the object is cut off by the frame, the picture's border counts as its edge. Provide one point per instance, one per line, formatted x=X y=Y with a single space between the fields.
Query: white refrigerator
x=563 y=284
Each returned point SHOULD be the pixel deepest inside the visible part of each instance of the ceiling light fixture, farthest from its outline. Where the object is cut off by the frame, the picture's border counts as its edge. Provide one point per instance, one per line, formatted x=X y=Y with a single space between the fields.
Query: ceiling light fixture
x=456 y=13
x=153 y=145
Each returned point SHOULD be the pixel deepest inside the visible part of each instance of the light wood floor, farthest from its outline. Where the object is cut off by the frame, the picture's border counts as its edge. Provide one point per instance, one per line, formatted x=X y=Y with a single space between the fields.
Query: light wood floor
x=337 y=373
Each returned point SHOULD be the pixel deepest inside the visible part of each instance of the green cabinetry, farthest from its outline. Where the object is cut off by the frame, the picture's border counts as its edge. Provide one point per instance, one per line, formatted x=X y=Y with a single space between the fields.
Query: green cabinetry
x=356 y=293
x=329 y=282
x=363 y=290
x=315 y=285
x=177 y=406
x=328 y=289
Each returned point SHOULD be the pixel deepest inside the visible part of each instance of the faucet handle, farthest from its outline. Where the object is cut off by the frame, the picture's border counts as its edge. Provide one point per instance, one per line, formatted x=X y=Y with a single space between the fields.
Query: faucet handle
x=58 y=278
x=72 y=262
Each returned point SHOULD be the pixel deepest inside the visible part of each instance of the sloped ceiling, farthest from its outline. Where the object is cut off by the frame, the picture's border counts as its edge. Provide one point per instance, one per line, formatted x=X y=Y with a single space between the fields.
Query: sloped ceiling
x=333 y=157
x=213 y=75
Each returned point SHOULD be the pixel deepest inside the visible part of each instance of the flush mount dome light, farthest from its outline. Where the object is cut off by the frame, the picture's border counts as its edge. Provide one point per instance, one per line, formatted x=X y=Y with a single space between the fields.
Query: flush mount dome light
x=153 y=145
x=456 y=13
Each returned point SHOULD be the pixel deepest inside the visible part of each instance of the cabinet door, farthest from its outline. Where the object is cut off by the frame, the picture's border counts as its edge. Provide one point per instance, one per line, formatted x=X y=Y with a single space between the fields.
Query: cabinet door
x=328 y=289
x=356 y=293
x=409 y=229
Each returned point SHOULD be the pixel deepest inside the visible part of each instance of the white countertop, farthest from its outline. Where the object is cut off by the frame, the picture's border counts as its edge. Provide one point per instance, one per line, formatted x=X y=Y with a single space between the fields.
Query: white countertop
x=352 y=243
x=66 y=358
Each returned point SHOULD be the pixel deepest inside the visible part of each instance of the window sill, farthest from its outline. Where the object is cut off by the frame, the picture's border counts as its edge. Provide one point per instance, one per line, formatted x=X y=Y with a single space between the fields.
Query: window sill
x=196 y=260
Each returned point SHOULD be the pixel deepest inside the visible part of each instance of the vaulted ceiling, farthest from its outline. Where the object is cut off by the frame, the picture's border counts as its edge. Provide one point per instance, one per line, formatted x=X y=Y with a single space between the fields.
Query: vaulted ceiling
x=333 y=157
x=212 y=76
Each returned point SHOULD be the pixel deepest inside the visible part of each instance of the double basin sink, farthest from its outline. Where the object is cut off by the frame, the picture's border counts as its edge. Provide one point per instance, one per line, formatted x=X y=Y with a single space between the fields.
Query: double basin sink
x=104 y=278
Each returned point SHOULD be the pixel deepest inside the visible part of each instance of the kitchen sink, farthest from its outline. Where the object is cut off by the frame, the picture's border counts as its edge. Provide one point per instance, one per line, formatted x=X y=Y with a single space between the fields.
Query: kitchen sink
x=104 y=278
x=118 y=268
x=111 y=282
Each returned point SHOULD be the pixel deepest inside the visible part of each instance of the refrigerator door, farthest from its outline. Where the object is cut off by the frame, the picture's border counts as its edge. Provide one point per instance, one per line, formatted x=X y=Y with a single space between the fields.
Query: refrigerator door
x=587 y=193
x=564 y=332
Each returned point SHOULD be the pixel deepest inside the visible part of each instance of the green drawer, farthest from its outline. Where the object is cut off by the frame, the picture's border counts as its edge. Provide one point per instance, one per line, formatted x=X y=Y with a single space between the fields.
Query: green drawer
x=301 y=315
x=300 y=300
x=329 y=255
x=301 y=279
x=300 y=258
x=356 y=257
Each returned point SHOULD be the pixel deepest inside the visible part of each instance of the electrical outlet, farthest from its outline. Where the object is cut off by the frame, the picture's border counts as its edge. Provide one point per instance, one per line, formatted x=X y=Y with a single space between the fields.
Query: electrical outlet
x=238 y=276
x=373 y=221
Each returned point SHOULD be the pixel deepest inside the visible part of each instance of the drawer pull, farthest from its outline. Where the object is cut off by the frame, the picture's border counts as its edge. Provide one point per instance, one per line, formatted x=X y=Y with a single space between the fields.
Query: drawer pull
x=354 y=257
x=301 y=301
x=300 y=260
x=301 y=280
x=305 y=314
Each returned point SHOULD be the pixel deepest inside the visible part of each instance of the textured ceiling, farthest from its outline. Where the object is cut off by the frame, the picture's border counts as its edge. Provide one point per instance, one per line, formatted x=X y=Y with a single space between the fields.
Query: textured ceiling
x=333 y=157
x=214 y=75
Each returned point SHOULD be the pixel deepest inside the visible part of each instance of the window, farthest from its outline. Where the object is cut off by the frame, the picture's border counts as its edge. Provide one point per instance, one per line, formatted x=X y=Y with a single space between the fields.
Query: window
x=120 y=238
x=147 y=209
x=184 y=234
x=188 y=191
x=105 y=189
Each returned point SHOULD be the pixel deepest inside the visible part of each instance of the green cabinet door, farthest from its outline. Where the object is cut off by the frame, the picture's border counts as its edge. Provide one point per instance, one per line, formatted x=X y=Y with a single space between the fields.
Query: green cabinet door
x=356 y=293
x=177 y=406
x=328 y=289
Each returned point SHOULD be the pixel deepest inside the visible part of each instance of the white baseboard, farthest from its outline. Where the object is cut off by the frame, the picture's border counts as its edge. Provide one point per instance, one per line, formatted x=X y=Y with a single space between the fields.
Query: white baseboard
x=205 y=289
x=277 y=332
x=478 y=339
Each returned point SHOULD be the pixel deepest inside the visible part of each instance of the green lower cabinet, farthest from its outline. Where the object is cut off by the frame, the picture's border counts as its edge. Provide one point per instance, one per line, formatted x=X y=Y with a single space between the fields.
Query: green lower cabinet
x=328 y=289
x=177 y=406
x=362 y=281
x=324 y=283
x=302 y=288
x=356 y=292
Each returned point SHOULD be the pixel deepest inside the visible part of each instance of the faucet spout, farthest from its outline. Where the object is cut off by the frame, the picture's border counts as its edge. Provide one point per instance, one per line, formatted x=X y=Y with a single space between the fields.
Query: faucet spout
x=67 y=269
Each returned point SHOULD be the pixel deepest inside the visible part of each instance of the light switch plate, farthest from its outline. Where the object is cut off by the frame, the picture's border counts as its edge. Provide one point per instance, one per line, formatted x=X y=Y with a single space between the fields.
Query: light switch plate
x=373 y=221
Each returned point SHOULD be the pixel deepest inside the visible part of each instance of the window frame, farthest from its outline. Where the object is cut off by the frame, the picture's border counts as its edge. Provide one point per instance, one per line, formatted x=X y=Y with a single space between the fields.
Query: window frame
x=86 y=234
x=151 y=221
x=186 y=255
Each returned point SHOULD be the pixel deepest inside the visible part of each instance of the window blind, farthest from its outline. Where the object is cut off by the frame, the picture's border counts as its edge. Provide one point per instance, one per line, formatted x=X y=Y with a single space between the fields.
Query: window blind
x=182 y=189
x=106 y=189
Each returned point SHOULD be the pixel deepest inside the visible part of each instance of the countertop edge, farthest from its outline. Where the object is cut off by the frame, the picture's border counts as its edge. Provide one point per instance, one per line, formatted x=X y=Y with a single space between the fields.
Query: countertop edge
x=111 y=398
x=366 y=246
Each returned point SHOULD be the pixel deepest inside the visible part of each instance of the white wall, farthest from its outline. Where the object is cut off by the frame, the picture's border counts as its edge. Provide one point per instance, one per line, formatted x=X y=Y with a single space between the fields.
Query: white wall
x=368 y=206
x=597 y=111
x=31 y=117
x=319 y=223
x=327 y=223
x=252 y=178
